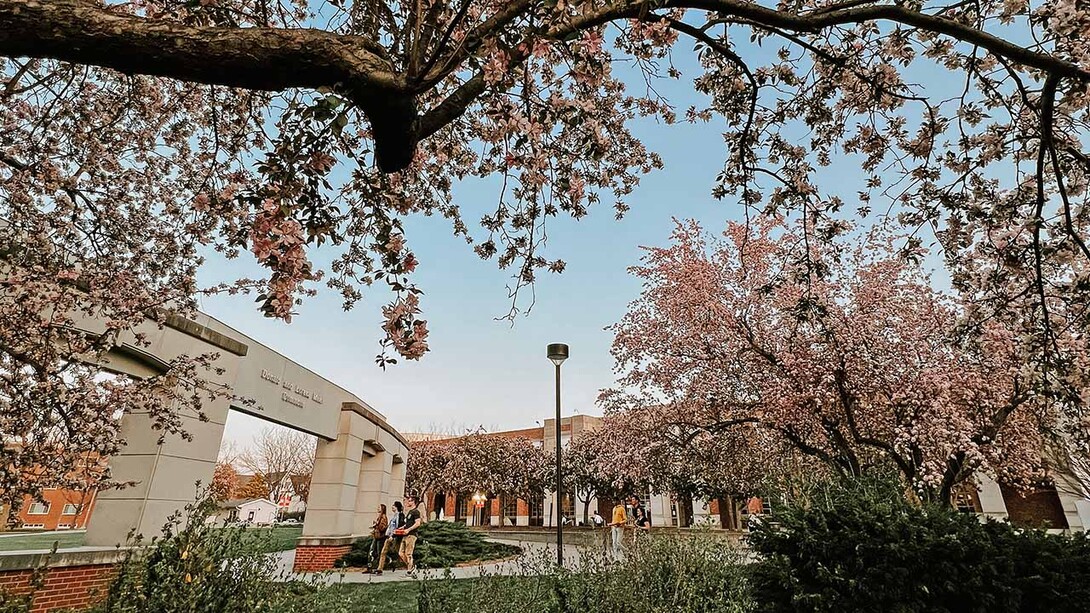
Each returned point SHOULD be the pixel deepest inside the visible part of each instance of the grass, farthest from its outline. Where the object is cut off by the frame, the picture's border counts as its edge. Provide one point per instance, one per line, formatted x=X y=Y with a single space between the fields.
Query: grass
x=392 y=597
x=269 y=540
x=33 y=540
x=276 y=538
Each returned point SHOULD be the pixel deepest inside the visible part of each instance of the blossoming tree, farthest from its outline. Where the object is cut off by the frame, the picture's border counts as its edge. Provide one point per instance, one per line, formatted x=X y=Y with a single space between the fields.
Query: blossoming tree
x=864 y=364
x=137 y=136
x=477 y=463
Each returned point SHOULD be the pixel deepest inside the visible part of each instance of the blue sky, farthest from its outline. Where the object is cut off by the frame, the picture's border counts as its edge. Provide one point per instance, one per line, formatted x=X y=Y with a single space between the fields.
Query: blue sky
x=481 y=371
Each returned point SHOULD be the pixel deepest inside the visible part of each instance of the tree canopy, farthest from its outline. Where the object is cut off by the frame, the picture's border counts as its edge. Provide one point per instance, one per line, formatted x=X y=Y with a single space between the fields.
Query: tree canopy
x=136 y=137
x=867 y=366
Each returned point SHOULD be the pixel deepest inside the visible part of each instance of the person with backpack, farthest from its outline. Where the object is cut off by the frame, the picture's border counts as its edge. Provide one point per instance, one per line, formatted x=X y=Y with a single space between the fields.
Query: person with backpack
x=396 y=520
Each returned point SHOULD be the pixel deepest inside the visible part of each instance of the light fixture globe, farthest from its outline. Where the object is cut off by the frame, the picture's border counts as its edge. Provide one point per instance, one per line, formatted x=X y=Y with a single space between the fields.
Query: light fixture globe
x=558 y=352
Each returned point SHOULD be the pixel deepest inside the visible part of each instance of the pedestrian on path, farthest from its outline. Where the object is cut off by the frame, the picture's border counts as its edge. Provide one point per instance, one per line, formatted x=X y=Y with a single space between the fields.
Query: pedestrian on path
x=413 y=522
x=616 y=528
x=395 y=522
x=378 y=537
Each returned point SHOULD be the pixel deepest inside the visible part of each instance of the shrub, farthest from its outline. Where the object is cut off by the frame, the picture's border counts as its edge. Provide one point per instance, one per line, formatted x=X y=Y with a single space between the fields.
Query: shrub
x=862 y=547
x=440 y=544
x=701 y=574
x=197 y=566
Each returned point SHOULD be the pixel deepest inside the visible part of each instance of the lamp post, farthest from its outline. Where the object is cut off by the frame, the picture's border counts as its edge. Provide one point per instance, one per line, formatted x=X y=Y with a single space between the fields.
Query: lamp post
x=558 y=352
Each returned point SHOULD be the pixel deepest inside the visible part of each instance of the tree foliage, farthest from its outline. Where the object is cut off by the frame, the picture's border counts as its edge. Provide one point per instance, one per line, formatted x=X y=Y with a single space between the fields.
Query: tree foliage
x=224 y=482
x=863 y=366
x=254 y=487
x=279 y=455
x=137 y=137
x=478 y=463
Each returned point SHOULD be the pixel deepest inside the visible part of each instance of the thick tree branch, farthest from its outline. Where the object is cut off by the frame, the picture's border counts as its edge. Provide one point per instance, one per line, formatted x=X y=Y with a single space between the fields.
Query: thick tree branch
x=275 y=59
x=264 y=59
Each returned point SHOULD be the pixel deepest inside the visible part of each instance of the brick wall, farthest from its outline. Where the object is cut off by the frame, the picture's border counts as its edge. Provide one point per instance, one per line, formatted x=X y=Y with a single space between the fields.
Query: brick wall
x=1039 y=508
x=70 y=587
x=313 y=558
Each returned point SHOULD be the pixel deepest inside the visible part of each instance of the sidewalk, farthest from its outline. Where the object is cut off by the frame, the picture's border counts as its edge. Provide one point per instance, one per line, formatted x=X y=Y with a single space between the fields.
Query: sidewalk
x=507 y=567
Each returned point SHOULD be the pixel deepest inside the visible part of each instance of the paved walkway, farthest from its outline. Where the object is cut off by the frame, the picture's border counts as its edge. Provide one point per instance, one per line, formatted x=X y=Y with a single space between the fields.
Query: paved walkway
x=506 y=567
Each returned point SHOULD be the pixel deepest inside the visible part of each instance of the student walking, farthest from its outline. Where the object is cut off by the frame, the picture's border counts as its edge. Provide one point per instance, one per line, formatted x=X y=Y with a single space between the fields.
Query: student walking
x=413 y=521
x=378 y=537
x=616 y=528
x=395 y=521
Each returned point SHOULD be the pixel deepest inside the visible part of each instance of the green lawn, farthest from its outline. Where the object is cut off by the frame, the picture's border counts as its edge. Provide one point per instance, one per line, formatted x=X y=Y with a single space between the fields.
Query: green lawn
x=393 y=597
x=279 y=538
x=31 y=540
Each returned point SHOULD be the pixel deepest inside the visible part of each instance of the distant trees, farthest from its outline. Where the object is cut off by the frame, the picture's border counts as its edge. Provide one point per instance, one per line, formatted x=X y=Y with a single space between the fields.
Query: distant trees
x=284 y=458
x=224 y=482
x=478 y=463
x=254 y=487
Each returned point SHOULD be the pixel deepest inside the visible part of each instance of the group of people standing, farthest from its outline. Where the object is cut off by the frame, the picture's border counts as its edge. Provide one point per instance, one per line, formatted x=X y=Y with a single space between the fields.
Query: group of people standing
x=397 y=532
x=628 y=520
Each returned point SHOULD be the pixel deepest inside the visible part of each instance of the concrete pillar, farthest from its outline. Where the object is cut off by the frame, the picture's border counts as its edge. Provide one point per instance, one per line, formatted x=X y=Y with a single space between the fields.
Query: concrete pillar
x=397 y=478
x=331 y=506
x=164 y=475
x=363 y=467
x=372 y=487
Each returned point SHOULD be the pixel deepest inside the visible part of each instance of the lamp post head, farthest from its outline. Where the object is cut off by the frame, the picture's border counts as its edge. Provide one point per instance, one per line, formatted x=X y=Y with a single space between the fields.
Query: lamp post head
x=558 y=352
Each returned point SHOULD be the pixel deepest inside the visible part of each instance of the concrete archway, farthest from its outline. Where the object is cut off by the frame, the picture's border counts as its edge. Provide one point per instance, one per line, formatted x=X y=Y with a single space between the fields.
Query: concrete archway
x=359 y=461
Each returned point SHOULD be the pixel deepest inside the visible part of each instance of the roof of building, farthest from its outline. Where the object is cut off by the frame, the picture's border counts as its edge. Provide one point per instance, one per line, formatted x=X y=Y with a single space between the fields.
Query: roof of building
x=238 y=502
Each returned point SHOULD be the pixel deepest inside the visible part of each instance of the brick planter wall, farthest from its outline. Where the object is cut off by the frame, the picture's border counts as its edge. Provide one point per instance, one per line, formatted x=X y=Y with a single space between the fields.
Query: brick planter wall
x=68 y=580
x=318 y=553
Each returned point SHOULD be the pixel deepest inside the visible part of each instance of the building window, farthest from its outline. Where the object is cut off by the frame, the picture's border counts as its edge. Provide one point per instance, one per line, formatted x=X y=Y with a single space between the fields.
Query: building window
x=69 y=509
x=537 y=510
x=966 y=501
x=38 y=508
x=510 y=507
x=567 y=506
x=64 y=526
x=467 y=509
x=34 y=526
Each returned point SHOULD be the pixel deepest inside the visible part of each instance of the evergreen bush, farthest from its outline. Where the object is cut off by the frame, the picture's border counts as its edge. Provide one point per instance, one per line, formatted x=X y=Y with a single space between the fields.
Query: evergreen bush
x=440 y=544
x=863 y=547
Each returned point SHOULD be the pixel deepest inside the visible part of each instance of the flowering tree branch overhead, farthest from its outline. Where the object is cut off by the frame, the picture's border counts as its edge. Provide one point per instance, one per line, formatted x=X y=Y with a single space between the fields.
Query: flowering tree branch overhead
x=135 y=137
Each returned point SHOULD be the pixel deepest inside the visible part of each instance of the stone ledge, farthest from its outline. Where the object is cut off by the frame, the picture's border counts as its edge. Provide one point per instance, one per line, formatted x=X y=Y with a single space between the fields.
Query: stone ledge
x=326 y=541
x=82 y=556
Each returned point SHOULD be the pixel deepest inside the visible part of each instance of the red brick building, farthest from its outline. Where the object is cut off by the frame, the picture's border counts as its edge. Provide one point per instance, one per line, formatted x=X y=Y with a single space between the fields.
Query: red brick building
x=57 y=510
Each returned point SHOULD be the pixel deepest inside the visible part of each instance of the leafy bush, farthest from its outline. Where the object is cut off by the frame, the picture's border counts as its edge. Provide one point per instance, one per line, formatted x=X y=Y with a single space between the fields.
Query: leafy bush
x=862 y=547
x=440 y=544
x=700 y=574
x=197 y=566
